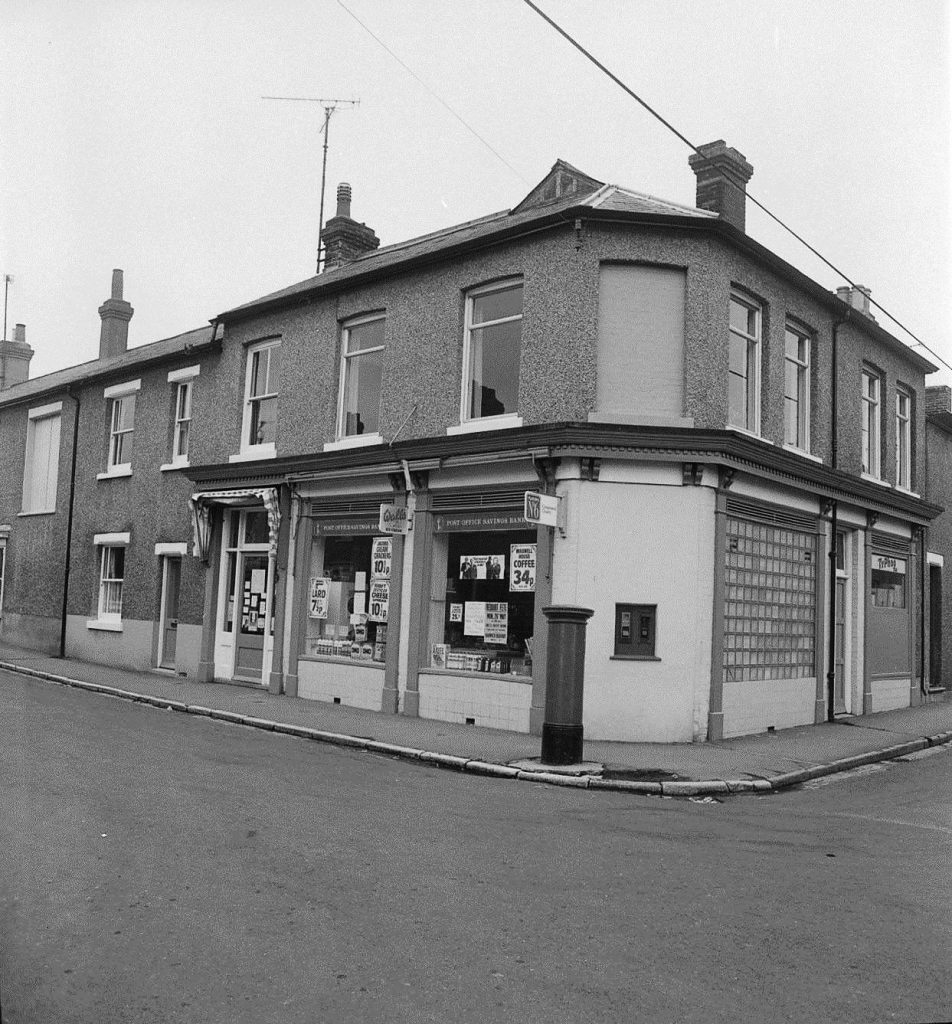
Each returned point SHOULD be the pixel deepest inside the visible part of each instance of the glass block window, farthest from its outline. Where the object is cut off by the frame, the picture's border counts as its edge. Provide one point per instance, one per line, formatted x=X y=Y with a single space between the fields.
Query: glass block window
x=770 y=602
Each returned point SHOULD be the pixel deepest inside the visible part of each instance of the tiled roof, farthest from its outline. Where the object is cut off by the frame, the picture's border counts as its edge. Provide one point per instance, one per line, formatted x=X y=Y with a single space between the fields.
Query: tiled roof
x=168 y=348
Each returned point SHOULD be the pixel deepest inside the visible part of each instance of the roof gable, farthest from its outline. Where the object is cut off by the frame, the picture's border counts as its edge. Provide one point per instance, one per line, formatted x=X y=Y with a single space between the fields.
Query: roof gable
x=562 y=181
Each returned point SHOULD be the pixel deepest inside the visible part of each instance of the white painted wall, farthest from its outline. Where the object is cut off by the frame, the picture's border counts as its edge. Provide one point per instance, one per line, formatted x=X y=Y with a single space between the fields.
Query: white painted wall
x=357 y=684
x=493 y=702
x=757 y=704
x=889 y=694
x=639 y=536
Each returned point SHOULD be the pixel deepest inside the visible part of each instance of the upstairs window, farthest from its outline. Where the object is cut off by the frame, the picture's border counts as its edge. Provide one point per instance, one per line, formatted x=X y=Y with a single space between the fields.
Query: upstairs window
x=121 y=428
x=870 y=425
x=262 y=378
x=903 y=439
x=492 y=348
x=41 y=460
x=796 y=392
x=361 y=372
x=182 y=381
x=743 y=391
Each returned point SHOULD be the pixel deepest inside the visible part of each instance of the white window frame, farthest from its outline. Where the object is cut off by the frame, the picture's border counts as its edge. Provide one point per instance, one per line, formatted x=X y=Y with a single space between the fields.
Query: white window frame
x=871 y=436
x=753 y=366
x=266 y=449
x=346 y=360
x=108 y=620
x=904 y=438
x=116 y=393
x=804 y=341
x=507 y=419
x=183 y=379
x=36 y=415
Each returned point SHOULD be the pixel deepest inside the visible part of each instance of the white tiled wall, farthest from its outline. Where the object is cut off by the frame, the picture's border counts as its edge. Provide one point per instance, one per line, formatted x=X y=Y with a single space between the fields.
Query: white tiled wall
x=493 y=703
x=357 y=685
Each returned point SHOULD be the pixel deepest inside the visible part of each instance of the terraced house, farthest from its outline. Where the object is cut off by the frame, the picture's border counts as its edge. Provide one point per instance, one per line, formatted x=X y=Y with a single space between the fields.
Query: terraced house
x=324 y=492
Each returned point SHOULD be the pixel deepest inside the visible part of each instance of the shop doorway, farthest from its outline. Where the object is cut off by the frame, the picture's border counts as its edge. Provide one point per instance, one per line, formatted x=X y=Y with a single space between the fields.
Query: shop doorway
x=842 y=701
x=243 y=634
x=169 y=611
x=935 y=623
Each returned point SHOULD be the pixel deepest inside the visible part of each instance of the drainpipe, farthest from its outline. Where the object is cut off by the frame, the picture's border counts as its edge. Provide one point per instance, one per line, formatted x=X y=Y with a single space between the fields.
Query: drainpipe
x=923 y=685
x=69 y=523
x=834 y=523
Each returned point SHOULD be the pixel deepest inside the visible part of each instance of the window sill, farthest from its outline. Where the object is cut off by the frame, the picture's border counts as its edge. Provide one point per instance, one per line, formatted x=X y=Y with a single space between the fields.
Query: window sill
x=106 y=627
x=794 y=450
x=905 y=490
x=261 y=451
x=744 y=432
x=460 y=673
x=168 y=467
x=632 y=657
x=490 y=423
x=116 y=472
x=874 y=479
x=329 y=658
x=356 y=441
x=37 y=512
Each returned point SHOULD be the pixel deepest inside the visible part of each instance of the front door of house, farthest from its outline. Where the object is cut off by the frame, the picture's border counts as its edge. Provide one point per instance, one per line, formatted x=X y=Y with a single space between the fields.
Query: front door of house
x=168 y=626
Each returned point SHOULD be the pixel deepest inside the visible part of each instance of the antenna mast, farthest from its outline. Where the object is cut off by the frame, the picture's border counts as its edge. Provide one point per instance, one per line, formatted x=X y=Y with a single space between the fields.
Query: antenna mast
x=330 y=105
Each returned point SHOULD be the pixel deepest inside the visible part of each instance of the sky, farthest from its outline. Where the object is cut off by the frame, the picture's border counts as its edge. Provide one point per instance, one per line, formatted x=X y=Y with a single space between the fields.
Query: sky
x=134 y=135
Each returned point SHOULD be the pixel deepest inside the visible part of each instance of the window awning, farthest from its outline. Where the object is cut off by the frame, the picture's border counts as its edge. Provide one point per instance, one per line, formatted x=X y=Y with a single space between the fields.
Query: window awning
x=203 y=501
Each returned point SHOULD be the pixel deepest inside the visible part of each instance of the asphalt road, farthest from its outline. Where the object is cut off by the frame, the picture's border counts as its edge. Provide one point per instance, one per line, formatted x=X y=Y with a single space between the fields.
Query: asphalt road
x=161 y=867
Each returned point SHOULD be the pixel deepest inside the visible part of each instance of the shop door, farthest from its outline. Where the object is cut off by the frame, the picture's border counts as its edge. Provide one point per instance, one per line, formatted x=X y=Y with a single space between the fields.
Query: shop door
x=254 y=617
x=168 y=625
x=935 y=623
x=839 y=678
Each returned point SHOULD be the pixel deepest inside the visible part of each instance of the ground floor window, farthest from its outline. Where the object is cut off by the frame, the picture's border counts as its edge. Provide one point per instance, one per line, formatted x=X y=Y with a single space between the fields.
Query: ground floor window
x=111 y=577
x=348 y=599
x=770 y=602
x=484 y=601
x=888 y=581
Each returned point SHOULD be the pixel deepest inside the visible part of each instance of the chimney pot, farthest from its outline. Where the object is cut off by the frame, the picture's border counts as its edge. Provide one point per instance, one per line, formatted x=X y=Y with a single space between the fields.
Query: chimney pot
x=343 y=199
x=115 y=314
x=344 y=239
x=722 y=174
x=19 y=334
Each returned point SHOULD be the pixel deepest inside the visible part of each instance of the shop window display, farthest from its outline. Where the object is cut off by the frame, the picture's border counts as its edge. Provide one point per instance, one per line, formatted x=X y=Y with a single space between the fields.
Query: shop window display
x=489 y=605
x=348 y=597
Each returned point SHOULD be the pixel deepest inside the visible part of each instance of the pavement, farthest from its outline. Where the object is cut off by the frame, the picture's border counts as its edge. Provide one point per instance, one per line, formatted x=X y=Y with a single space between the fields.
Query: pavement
x=760 y=763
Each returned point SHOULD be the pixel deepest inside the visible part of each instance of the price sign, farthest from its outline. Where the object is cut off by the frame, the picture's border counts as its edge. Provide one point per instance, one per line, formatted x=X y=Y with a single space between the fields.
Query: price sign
x=381 y=558
x=317 y=604
x=522 y=567
x=379 y=604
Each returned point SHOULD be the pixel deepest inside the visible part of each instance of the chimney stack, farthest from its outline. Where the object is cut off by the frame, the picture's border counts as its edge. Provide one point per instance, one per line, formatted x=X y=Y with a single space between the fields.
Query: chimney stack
x=344 y=239
x=15 y=358
x=115 y=313
x=938 y=399
x=722 y=175
x=857 y=297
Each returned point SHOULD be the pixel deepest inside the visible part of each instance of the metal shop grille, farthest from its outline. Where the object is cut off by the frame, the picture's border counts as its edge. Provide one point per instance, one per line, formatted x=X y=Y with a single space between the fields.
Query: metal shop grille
x=770 y=602
x=886 y=542
x=350 y=507
x=466 y=501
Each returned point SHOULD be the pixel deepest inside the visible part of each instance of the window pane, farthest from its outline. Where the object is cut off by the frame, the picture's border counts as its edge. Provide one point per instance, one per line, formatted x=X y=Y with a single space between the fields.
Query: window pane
x=738 y=356
x=256 y=528
x=263 y=416
x=259 y=372
x=498 y=304
x=362 y=394
x=181 y=438
x=737 y=400
x=122 y=448
x=743 y=318
x=274 y=369
x=495 y=369
x=791 y=382
x=364 y=336
x=184 y=406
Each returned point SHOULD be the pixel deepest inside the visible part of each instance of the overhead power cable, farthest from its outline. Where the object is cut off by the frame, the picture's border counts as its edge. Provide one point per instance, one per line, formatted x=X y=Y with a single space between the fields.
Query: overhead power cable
x=434 y=94
x=654 y=113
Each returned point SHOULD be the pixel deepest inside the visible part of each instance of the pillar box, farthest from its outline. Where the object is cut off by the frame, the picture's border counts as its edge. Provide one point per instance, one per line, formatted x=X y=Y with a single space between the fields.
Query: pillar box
x=565 y=677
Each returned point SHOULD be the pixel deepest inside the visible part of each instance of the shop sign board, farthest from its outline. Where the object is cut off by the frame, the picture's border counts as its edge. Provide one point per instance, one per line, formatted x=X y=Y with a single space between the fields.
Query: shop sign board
x=381 y=558
x=542 y=509
x=522 y=567
x=317 y=603
x=339 y=527
x=474 y=522
x=394 y=518
x=379 y=601
x=888 y=563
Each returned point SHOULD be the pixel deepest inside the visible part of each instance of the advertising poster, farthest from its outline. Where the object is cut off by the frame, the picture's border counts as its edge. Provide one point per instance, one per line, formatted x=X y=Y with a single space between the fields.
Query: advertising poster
x=317 y=603
x=381 y=558
x=379 y=601
x=474 y=618
x=482 y=567
x=522 y=567
x=456 y=612
x=496 y=630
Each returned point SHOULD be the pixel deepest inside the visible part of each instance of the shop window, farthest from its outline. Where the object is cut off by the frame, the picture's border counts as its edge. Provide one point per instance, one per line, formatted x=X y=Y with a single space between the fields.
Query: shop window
x=491 y=352
x=349 y=597
x=888 y=581
x=485 y=612
x=360 y=377
x=635 y=630
x=743 y=378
